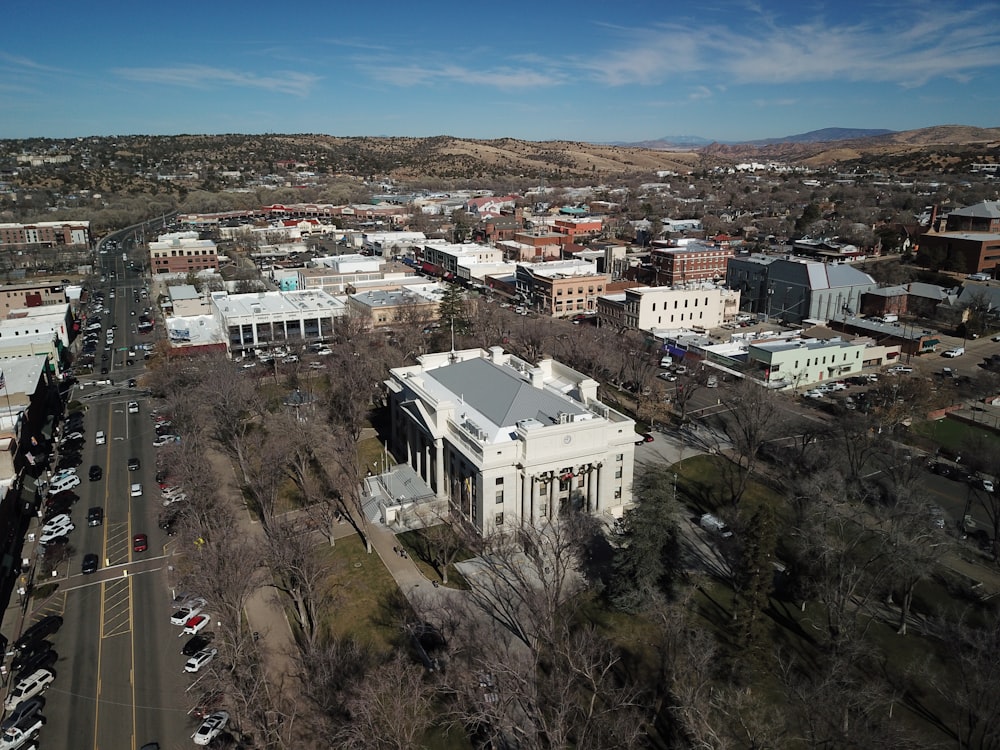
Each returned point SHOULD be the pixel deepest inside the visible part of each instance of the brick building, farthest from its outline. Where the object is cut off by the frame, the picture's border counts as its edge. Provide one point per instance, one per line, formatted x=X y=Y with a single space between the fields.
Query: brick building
x=68 y=234
x=694 y=261
x=182 y=253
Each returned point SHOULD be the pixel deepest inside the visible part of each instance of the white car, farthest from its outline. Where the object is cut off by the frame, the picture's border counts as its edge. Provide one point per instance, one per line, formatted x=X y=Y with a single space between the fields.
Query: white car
x=100 y=438
x=59 y=526
x=71 y=437
x=188 y=610
x=133 y=407
x=211 y=728
x=135 y=490
x=196 y=624
x=166 y=440
x=815 y=393
x=324 y=352
x=200 y=659
x=67 y=472
x=837 y=386
x=900 y=370
x=988 y=485
x=63 y=483
x=180 y=497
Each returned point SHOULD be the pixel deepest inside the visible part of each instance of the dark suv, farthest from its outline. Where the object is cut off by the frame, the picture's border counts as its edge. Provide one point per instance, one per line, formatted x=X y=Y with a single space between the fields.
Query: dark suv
x=44 y=627
x=95 y=474
x=95 y=516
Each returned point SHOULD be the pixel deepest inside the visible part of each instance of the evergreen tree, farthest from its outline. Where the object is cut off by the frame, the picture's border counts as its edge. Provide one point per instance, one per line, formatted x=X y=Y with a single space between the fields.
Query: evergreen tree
x=646 y=542
x=453 y=310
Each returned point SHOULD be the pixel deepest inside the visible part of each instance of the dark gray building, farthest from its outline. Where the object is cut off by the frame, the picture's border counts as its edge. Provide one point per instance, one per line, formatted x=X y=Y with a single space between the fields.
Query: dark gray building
x=793 y=289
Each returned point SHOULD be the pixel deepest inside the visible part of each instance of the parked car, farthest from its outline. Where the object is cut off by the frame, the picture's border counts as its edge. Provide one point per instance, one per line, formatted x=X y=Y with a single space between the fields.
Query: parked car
x=200 y=659
x=32 y=661
x=58 y=526
x=133 y=407
x=900 y=370
x=25 y=710
x=196 y=624
x=63 y=483
x=37 y=632
x=211 y=728
x=187 y=611
x=34 y=684
x=18 y=734
x=195 y=644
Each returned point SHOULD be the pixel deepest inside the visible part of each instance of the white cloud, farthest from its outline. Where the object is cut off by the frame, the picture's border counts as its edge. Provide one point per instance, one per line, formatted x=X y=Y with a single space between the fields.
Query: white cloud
x=909 y=47
x=207 y=77
x=501 y=77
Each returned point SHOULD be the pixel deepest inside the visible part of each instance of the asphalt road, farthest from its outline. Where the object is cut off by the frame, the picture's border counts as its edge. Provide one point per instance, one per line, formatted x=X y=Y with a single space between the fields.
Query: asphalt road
x=120 y=680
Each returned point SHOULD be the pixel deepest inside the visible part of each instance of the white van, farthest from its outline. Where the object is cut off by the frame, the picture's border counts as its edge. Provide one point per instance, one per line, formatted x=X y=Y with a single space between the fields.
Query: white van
x=715 y=525
x=29 y=687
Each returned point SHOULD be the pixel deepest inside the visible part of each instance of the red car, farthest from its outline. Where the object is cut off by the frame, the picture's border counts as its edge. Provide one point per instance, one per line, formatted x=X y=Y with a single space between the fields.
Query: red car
x=140 y=543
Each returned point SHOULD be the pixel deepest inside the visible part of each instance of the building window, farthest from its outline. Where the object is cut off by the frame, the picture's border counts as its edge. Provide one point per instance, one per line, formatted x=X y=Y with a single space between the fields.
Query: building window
x=499 y=497
x=618 y=494
x=499 y=519
x=543 y=488
x=618 y=473
x=543 y=509
x=620 y=457
x=499 y=480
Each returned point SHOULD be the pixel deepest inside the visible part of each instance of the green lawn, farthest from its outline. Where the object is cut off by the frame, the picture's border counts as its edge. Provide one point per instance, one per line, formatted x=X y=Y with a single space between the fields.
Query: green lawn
x=954 y=435
x=366 y=603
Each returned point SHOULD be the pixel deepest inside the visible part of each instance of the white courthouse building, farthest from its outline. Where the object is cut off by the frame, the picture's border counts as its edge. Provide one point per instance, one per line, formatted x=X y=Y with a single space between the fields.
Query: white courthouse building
x=509 y=442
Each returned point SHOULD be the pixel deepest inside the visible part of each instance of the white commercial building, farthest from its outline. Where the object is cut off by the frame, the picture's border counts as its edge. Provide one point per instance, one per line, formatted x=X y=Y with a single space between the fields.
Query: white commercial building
x=699 y=307
x=696 y=307
x=448 y=256
x=509 y=442
x=392 y=243
x=271 y=319
x=793 y=364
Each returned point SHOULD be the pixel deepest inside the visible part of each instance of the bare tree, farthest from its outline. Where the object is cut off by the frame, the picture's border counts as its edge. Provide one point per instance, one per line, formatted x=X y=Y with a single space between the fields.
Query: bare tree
x=750 y=416
x=389 y=709
x=299 y=573
x=968 y=680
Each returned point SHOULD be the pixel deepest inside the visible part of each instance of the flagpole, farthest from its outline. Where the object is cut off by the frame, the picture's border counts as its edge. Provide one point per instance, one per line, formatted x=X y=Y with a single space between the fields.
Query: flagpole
x=3 y=385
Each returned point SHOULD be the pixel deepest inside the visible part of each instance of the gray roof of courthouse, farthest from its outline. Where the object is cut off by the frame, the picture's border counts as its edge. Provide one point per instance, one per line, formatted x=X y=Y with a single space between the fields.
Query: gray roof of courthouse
x=984 y=210
x=501 y=394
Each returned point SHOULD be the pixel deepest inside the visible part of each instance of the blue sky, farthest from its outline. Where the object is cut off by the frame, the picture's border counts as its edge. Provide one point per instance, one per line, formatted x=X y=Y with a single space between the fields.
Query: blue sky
x=586 y=70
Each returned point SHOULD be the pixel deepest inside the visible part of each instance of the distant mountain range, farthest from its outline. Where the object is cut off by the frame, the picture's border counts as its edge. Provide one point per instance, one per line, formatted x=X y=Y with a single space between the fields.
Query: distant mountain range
x=825 y=135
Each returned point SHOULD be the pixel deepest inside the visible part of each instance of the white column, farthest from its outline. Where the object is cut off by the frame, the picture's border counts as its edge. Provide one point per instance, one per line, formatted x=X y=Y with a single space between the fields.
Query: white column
x=590 y=490
x=527 y=486
x=439 y=466
x=598 y=488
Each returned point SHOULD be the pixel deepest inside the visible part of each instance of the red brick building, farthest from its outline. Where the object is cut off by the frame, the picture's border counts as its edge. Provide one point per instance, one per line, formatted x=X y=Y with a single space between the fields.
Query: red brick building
x=690 y=262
